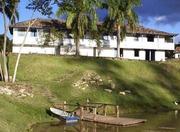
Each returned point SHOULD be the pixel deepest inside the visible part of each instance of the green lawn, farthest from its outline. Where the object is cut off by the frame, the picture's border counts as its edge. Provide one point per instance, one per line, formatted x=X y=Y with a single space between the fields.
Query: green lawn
x=153 y=86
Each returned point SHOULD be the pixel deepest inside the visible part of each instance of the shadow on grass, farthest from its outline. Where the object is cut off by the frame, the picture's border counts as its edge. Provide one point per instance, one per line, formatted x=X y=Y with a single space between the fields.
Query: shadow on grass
x=156 y=93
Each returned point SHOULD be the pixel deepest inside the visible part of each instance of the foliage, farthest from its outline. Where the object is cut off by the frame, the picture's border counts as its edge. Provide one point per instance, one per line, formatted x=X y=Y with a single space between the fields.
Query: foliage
x=9 y=44
x=43 y=6
x=120 y=16
x=121 y=12
x=52 y=36
x=81 y=17
x=9 y=7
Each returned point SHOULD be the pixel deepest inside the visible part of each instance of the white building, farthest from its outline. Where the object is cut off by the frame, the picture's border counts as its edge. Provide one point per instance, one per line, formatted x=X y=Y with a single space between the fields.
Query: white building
x=177 y=52
x=141 y=44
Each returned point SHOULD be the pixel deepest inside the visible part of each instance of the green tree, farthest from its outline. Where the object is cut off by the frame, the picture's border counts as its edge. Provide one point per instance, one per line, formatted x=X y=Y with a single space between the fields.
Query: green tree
x=81 y=17
x=8 y=9
x=121 y=15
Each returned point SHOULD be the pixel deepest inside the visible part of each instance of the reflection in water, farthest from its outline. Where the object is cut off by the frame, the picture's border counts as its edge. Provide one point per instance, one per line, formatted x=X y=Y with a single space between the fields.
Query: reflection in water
x=156 y=122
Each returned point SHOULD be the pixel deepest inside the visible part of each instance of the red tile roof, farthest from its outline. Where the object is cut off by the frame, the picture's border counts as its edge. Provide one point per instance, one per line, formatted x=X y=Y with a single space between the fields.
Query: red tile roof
x=48 y=23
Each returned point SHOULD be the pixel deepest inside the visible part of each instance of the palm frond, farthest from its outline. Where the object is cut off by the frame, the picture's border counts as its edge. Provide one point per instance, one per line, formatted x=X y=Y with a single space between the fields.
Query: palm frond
x=10 y=7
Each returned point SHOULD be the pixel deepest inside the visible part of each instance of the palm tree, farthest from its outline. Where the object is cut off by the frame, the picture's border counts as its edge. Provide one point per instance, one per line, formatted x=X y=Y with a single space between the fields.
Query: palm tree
x=121 y=15
x=8 y=8
x=81 y=17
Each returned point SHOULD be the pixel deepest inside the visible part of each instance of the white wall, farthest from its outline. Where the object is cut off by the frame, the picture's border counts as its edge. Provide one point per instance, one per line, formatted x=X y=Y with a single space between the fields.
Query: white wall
x=158 y=44
x=19 y=39
x=32 y=50
x=111 y=52
x=129 y=54
x=128 y=45
x=108 y=53
x=177 y=55
x=159 y=55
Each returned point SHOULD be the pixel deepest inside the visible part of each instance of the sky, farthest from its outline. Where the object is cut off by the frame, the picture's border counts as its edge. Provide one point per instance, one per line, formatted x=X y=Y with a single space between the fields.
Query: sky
x=162 y=15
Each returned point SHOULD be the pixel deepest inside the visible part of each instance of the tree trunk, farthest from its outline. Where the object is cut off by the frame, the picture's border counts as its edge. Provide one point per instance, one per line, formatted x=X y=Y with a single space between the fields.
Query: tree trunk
x=118 y=40
x=1 y=70
x=19 y=54
x=77 y=41
x=5 y=55
x=6 y=78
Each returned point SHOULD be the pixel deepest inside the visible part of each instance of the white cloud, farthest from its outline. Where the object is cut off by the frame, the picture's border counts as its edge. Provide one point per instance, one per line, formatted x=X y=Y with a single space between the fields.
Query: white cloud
x=160 y=18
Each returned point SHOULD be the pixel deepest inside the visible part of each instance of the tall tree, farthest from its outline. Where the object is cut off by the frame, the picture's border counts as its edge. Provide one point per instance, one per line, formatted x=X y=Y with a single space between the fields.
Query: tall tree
x=43 y=6
x=8 y=9
x=81 y=17
x=121 y=15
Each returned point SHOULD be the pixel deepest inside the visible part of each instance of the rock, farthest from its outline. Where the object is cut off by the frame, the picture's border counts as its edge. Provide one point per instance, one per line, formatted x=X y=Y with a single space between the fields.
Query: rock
x=83 y=88
x=122 y=93
x=23 y=95
x=108 y=90
x=6 y=91
x=22 y=90
x=16 y=90
x=88 y=79
x=127 y=91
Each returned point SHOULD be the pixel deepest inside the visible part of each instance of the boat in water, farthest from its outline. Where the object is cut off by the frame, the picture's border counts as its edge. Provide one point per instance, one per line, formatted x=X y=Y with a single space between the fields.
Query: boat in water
x=63 y=115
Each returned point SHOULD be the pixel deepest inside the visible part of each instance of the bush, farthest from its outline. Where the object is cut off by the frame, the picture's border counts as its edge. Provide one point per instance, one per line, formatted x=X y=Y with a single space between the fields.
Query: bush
x=9 y=43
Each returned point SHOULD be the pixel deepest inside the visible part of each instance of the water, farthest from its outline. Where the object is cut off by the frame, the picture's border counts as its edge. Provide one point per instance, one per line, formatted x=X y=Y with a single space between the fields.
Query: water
x=156 y=122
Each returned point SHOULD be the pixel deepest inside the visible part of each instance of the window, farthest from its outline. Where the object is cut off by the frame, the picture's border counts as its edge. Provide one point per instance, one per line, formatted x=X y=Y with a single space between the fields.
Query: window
x=34 y=32
x=150 y=38
x=169 y=39
x=136 y=53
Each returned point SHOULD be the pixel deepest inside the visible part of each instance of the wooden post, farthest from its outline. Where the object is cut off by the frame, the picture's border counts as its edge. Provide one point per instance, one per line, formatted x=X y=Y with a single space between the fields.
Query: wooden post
x=64 y=105
x=94 y=112
x=117 y=111
x=87 y=103
x=81 y=112
x=104 y=110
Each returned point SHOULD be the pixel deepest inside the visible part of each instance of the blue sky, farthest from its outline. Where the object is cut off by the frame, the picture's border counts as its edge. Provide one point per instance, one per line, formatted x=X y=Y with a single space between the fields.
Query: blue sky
x=157 y=14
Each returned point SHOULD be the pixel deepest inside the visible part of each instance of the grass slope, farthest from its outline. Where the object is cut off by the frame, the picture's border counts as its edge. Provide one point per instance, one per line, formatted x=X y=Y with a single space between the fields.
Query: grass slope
x=153 y=86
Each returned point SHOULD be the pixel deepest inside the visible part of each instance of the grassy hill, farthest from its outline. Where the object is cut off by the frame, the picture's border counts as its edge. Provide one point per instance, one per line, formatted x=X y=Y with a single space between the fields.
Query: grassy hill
x=149 y=85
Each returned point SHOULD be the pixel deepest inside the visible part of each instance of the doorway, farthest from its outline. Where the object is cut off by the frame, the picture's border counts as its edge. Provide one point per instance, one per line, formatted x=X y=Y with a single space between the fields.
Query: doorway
x=150 y=55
